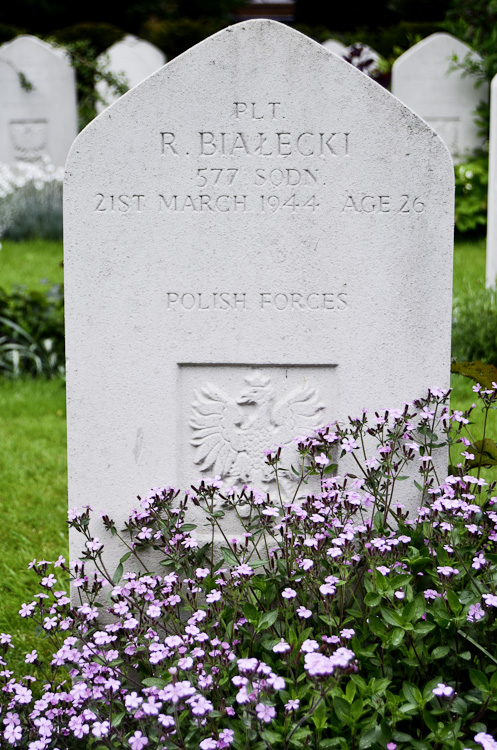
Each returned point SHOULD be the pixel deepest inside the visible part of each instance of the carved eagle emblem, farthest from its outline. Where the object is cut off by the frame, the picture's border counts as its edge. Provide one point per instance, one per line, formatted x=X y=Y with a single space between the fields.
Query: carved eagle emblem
x=231 y=434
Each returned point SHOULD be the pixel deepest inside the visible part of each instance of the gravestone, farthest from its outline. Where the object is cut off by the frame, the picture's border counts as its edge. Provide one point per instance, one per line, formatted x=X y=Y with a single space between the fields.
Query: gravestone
x=446 y=99
x=491 y=271
x=333 y=45
x=131 y=58
x=38 y=115
x=258 y=240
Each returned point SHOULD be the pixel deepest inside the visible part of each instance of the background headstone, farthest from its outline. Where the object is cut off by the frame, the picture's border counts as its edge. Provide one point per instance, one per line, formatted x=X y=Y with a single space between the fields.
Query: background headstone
x=446 y=100
x=333 y=45
x=258 y=238
x=133 y=58
x=38 y=114
x=491 y=270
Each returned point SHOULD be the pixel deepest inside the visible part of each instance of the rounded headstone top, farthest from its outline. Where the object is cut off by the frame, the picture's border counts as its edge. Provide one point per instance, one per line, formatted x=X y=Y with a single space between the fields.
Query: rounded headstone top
x=24 y=45
x=439 y=46
x=333 y=45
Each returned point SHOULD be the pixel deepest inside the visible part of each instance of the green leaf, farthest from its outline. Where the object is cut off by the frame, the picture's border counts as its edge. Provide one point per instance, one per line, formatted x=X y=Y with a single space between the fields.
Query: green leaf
x=397 y=636
x=430 y=721
x=392 y=617
x=369 y=738
x=439 y=652
x=117 y=718
x=424 y=627
x=228 y=557
x=188 y=527
x=251 y=612
x=412 y=693
x=271 y=736
x=377 y=626
x=415 y=610
x=267 y=619
x=454 y=602
x=118 y=574
x=372 y=599
x=319 y=716
x=342 y=710
x=154 y=682
x=126 y=556
x=479 y=680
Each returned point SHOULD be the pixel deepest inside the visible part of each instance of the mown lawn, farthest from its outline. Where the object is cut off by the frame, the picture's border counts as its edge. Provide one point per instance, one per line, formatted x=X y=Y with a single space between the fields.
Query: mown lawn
x=33 y=479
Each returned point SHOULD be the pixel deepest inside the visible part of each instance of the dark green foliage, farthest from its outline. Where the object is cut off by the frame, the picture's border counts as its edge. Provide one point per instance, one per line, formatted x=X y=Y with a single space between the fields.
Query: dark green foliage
x=474 y=325
x=475 y=22
x=175 y=36
x=99 y=35
x=32 y=332
x=471 y=194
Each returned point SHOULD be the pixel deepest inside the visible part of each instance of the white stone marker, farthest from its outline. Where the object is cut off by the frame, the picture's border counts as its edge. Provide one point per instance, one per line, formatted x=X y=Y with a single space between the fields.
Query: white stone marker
x=446 y=100
x=133 y=58
x=258 y=239
x=333 y=45
x=491 y=271
x=41 y=121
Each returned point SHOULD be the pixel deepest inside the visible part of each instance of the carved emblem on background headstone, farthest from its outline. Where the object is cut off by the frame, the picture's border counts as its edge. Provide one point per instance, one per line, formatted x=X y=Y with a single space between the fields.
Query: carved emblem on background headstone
x=231 y=434
x=29 y=139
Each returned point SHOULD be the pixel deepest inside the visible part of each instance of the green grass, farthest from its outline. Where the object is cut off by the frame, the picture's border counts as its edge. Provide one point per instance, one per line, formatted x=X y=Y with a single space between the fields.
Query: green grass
x=33 y=492
x=469 y=264
x=33 y=479
x=33 y=263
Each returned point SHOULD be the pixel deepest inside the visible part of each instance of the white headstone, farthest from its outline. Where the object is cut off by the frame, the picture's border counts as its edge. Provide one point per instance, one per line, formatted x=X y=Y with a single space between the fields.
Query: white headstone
x=131 y=58
x=258 y=239
x=333 y=45
x=446 y=99
x=38 y=111
x=492 y=190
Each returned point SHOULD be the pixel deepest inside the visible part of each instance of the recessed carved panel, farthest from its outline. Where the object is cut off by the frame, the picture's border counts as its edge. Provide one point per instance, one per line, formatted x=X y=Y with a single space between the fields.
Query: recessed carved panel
x=236 y=412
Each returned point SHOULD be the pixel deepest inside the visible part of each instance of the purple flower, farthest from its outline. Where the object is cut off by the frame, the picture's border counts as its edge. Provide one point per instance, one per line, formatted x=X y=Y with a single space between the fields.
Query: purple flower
x=486 y=740
x=208 y=744
x=265 y=713
x=138 y=741
x=443 y=690
x=288 y=593
x=292 y=705
x=281 y=647
x=13 y=733
x=304 y=613
x=309 y=646
x=490 y=600
x=475 y=612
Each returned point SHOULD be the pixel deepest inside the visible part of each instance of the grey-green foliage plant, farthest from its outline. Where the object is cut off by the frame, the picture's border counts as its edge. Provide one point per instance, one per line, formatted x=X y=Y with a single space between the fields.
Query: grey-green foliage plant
x=474 y=325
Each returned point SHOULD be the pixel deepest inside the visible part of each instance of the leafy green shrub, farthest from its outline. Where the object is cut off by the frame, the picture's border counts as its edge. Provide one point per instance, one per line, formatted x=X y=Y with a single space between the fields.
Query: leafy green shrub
x=176 y=35
x=333 y=620
x=471 y=195
x=474 y=325
x=32 y=332
x=31 y=201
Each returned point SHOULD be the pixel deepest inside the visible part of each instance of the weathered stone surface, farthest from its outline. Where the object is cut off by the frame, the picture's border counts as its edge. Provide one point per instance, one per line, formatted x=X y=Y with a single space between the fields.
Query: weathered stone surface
x=133 y=58
x=258 y=240
x=446 y=99
x=38 y=115
x=492 y=190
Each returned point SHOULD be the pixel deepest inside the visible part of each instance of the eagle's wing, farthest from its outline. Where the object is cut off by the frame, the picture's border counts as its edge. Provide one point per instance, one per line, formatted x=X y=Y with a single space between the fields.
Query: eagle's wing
x=297 y=414
x=217 y=441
